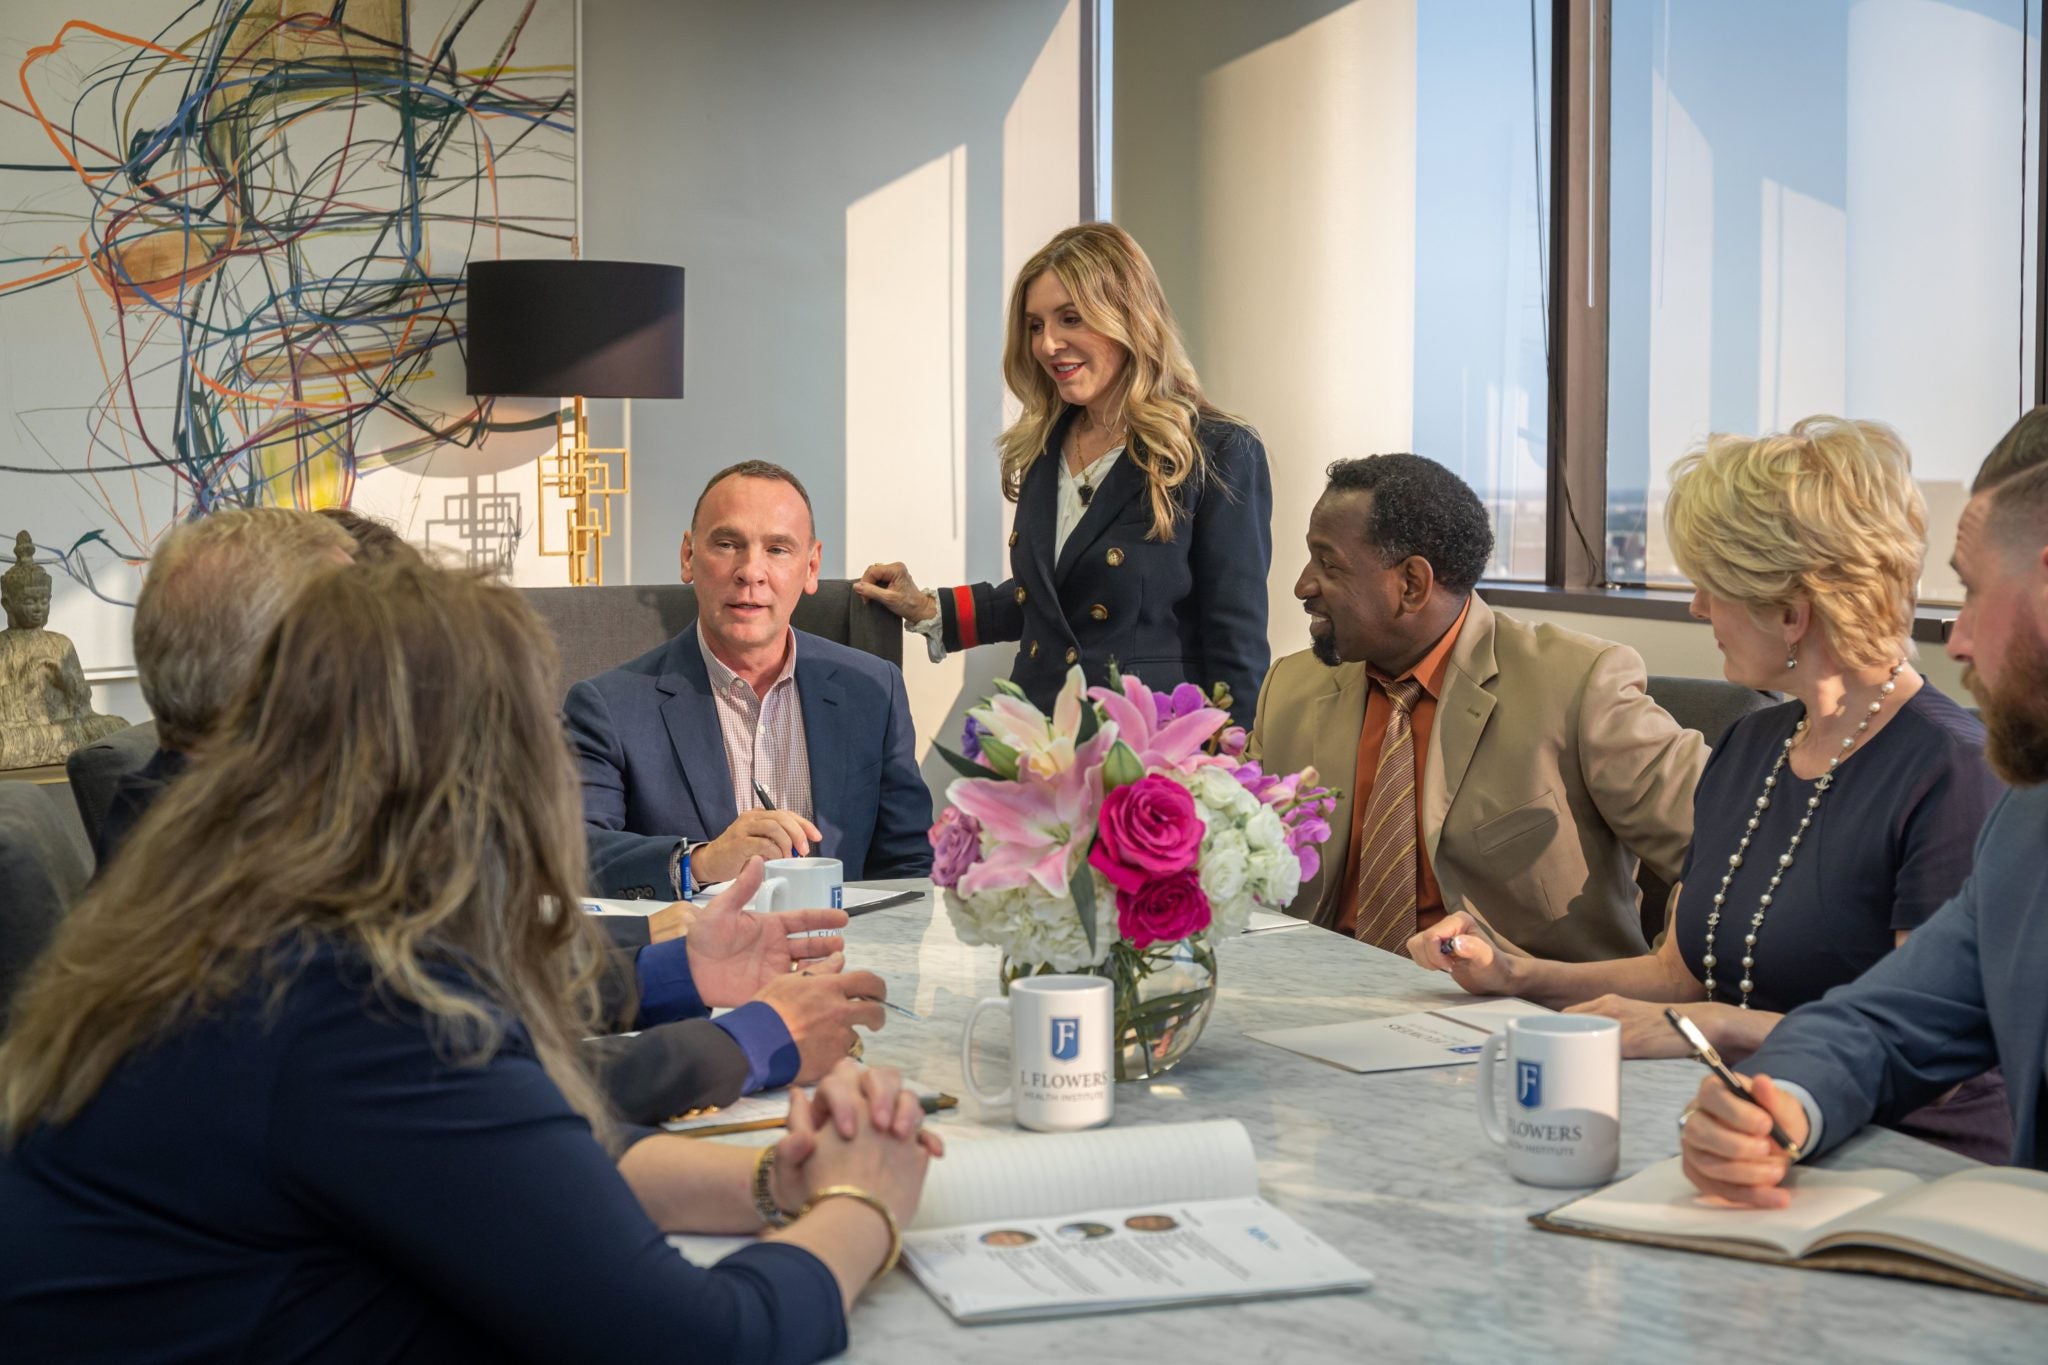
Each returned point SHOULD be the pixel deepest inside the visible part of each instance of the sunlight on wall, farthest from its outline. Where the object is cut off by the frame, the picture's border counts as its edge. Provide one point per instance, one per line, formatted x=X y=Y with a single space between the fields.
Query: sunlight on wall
x=1306 y=201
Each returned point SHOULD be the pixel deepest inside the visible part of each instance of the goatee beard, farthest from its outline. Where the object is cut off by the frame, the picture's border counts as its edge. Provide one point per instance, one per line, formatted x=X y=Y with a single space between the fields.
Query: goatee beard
x=1324 y=647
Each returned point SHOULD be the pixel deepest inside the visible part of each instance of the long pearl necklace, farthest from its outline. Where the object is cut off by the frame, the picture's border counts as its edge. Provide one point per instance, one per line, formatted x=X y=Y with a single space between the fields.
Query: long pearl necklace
x=1763 y=803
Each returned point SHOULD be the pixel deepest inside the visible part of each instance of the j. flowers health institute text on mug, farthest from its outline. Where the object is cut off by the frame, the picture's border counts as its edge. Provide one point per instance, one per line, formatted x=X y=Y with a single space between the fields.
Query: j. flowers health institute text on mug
x=1563 y=1125
x=802 y=884
x=1059 y=1052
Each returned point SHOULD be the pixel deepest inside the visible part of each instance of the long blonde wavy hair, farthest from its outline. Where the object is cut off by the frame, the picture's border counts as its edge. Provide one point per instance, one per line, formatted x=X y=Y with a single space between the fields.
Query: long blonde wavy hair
x=392 y=779
x=1114 y=289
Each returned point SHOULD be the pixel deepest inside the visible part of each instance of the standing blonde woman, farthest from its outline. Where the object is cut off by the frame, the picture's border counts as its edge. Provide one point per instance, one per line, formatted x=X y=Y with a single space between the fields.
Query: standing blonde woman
x=1144 y=515
x=299 y=1076
x=1825 y=829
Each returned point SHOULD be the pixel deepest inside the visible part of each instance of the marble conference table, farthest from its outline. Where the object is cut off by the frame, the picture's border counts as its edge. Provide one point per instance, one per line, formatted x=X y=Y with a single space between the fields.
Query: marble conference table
x=1393 y=1170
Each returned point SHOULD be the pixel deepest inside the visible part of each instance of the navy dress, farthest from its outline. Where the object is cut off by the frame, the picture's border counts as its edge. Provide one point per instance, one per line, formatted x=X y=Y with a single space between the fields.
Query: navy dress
x=1892 y=841
x=318 y=1185
x=1189 y=609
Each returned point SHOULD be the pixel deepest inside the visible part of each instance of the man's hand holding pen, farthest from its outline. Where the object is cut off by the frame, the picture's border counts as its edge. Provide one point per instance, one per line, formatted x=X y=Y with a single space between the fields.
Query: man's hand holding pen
x=1727 y=1144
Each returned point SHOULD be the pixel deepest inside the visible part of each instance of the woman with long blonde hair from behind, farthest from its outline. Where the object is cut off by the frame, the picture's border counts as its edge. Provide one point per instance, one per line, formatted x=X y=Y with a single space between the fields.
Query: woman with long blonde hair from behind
x=1144 y=514
x=299 y=1074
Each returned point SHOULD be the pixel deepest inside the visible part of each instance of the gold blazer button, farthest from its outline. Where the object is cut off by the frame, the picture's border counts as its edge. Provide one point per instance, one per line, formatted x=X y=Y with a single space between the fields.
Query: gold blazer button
x=1034 y=649
x=1020 y=595
x=1013 y=540
x=1116 y=558
x=1099 y=612
x=1073 y=654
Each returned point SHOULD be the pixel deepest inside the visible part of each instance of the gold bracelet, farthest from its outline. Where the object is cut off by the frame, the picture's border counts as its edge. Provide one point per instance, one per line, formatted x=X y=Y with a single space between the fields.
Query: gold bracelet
x=856 y=1192
x=764 y=1195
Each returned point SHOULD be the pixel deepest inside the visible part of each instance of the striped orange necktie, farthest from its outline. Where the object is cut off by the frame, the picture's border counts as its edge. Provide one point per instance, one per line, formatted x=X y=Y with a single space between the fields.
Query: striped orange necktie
x=1387 y=866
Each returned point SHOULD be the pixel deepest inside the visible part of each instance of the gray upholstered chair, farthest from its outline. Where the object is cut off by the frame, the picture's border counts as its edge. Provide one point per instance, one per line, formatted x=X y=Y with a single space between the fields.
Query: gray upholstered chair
x=1710 y=706
x=96 y=768
x=44 y=863
x=600 y=628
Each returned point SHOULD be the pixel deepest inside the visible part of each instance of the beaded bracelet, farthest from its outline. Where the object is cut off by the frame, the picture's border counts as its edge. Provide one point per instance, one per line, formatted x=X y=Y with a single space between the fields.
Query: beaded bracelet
x=764 y=1195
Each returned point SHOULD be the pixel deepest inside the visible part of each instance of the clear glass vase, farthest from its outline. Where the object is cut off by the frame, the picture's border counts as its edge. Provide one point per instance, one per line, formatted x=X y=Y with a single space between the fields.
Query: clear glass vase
x=1164 y=995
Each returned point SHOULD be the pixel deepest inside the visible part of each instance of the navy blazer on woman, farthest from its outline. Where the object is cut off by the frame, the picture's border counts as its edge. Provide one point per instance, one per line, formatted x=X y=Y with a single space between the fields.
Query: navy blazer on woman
x=308 y=1178
x=1189 y=609
x=653 y=763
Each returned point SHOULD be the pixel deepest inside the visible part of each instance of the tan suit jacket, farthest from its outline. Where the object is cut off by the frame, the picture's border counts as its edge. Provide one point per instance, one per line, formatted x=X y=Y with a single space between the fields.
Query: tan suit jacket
x=1549 y=772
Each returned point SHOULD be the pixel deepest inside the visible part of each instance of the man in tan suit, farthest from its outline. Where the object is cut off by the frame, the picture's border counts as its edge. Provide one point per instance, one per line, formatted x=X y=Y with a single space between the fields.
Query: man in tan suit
x=1510 y=771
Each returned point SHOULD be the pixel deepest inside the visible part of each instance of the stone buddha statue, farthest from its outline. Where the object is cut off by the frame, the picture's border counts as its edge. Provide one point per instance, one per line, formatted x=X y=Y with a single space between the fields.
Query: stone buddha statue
x=45 y=703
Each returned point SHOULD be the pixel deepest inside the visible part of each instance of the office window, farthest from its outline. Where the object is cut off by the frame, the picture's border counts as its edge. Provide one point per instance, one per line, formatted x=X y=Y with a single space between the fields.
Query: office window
x=1827 y=206
x=1482 y=162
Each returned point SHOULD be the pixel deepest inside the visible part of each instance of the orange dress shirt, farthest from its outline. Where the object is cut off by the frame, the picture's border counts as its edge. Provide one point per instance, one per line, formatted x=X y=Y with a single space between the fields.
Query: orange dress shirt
x=1429 y=671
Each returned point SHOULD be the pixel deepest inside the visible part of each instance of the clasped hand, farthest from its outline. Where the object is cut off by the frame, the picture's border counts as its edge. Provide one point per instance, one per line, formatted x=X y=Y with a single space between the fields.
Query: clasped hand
x=861 y=1128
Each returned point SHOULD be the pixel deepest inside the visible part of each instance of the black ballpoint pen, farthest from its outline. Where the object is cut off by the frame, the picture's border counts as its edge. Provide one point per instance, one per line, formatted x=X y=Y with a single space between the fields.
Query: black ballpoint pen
x=761 y=797
x=1703 y=1051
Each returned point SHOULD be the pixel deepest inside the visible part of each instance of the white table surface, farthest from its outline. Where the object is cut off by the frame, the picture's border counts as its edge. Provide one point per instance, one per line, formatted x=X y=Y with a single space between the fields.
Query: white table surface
x=1393 y=1170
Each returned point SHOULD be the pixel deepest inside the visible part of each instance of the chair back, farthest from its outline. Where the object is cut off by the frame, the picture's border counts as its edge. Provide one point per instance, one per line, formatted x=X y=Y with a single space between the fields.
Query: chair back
x=44 y=863
x=1710 y=706
x=97 y=768
x=600 y=628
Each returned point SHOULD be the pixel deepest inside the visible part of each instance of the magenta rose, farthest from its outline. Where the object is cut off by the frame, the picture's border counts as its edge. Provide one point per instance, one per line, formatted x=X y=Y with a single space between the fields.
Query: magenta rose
x=1147 y=829
x=1164 y=910
x=956 y=846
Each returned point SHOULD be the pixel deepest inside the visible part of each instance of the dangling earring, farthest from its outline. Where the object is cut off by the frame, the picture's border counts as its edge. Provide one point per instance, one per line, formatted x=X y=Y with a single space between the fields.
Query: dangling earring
x=1791 y=657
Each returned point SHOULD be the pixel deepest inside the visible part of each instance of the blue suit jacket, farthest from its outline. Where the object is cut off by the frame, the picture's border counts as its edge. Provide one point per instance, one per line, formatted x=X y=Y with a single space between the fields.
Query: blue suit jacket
x=653 y=763
x=1963 y=994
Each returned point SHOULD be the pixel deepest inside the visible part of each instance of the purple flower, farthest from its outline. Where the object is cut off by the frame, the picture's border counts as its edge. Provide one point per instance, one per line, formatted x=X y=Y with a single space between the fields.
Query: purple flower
x=1146 y=830
x=970 y=740
x=1234 y=742
x=1184 y=700
x=956 y=846
x=1163 y=910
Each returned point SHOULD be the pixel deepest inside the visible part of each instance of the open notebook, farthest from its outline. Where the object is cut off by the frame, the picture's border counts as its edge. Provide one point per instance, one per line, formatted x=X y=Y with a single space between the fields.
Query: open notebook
x=1985 y=1228
x=1049 y=1225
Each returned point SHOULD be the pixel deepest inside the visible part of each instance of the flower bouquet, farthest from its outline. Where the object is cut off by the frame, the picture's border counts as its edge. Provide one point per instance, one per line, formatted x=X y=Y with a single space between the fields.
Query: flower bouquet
x=1121 y=836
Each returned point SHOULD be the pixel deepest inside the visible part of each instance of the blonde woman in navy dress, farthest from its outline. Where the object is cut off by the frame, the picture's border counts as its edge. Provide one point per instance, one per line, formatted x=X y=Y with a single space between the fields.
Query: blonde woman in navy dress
x=1825 y=829
x=1144 y=514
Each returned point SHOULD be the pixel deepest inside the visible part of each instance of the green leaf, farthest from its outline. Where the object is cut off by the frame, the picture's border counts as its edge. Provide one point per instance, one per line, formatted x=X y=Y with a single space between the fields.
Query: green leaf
x=1121 y=768
x=1116 y=675
x=963 y=766
x=1010 y=689
x=1091 y=722
x=1083 y=887
x=1000 y=756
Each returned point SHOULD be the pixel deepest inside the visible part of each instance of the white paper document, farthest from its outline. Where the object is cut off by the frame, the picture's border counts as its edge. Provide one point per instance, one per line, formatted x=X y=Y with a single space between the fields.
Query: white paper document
x=1110 y=1260
x=1447 y=1037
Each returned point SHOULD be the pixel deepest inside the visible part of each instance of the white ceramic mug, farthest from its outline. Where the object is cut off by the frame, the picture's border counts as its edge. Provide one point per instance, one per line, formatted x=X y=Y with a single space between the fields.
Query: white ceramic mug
x=1563 y=1126
x=802 y=884
x=1062 y=1077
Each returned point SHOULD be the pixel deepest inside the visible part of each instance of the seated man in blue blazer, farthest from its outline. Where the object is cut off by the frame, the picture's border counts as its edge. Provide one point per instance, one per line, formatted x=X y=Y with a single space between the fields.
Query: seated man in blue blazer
x=1964 y=993
x=742 y=737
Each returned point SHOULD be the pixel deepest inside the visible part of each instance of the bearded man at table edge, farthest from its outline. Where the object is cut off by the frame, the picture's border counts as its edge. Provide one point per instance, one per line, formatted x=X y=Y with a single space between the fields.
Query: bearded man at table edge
x=1531 y=769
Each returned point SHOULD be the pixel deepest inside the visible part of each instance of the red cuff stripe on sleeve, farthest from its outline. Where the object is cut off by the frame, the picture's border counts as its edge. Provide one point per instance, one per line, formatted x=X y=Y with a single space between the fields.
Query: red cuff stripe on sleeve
x=963 y=616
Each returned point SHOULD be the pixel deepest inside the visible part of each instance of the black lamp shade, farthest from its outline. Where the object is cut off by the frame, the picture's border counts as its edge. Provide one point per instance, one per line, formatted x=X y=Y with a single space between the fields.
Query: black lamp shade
x=576 y=329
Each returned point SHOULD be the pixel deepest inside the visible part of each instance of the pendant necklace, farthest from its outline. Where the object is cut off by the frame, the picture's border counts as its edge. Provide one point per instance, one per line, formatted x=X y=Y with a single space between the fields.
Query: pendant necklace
x=1086 y=491
x=1763 y=803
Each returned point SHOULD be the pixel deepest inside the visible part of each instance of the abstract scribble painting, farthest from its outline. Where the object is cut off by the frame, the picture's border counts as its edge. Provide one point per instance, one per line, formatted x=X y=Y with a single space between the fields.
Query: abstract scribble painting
x=232 y=240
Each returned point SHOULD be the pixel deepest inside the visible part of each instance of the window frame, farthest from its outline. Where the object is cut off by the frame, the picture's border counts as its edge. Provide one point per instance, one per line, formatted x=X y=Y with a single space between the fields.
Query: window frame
x=1575 y=564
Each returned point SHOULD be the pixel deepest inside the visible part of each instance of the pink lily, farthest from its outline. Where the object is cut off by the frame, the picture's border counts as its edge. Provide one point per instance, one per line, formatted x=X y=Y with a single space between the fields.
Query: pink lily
x=1044 y=747
x=1175 y=746
x=1031 y=826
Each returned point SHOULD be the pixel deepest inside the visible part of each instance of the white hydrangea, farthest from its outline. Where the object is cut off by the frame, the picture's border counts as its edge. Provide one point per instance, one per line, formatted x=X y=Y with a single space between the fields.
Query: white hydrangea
x=1245 y=861
x=1032 y=925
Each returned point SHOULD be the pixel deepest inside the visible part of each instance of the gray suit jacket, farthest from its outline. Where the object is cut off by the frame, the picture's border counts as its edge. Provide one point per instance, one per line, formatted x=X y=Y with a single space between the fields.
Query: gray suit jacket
x=1963 y=994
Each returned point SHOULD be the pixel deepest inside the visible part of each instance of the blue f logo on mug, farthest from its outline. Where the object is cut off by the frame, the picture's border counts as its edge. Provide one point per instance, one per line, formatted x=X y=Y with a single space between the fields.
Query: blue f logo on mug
x=1529 y=1084
x=1066 y=1038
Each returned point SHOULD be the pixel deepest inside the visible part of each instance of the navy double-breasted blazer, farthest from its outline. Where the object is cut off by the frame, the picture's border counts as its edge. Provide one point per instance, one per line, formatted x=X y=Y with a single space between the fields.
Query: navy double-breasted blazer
x=1189 y=609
